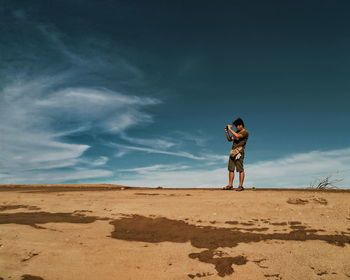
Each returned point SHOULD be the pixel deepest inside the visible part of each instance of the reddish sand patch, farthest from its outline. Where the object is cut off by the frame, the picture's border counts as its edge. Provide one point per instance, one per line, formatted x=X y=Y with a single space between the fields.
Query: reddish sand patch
x=31 y=277
x=223 y=265
x=140 y=228
x=154 y=230
x=34 y=218
x=11 y=207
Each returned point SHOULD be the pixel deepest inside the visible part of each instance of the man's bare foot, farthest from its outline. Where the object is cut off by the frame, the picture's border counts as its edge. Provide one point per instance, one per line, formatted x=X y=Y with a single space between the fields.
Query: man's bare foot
x=228 y=187
x=239 y=189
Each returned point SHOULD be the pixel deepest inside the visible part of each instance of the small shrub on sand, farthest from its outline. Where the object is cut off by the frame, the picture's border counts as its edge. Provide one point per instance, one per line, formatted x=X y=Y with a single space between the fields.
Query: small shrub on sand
x=325 y=183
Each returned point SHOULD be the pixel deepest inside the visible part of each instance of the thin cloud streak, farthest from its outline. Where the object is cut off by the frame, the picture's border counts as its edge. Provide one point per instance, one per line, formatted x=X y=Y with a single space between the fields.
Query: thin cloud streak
x=56 y=42
x=156 y=167
x=123 y=149
x=155 y=143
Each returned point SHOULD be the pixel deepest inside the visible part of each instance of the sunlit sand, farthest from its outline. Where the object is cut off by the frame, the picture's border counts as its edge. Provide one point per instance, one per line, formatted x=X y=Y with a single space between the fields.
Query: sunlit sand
x=119 y=232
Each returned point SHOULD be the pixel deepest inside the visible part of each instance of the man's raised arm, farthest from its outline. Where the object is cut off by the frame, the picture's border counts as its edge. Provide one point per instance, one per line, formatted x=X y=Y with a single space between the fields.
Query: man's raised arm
x=228 y=136
x=235 y=134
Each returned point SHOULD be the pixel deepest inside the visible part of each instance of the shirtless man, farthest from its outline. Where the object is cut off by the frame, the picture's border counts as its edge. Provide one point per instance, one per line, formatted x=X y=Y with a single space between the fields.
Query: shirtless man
x=236 y=159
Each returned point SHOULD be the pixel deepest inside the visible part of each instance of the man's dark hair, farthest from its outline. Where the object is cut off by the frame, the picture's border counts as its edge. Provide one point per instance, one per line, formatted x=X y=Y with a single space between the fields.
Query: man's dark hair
x=238 y=121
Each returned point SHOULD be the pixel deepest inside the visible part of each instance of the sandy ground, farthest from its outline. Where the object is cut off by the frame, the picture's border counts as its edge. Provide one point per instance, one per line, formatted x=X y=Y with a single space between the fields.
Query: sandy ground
x=110 y=232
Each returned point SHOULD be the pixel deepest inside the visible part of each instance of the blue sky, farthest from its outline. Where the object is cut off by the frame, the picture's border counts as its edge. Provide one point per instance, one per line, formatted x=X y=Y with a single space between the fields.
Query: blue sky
x=138 y=92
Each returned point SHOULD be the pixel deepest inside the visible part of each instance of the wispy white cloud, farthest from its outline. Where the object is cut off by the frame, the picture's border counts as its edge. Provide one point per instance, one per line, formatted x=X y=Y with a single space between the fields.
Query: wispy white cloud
x=24 y=145
x=293 y=171
x=100 y=108
x=34 y=116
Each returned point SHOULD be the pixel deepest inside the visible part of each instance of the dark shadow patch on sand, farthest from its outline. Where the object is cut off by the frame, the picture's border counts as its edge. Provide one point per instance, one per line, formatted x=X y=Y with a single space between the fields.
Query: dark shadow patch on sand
x=238 y=223
x=82 y=211
x=279 y=224
x=155 y=230
x=199 y=275
x=247 y=224
x=232 y=222
x=34 y=218
x=11 y=207
x=293 y=223
x=276 y=276
x=298 y=227
x=253 y=229
x=31 y=277
x=144 y=229
x=223 y=265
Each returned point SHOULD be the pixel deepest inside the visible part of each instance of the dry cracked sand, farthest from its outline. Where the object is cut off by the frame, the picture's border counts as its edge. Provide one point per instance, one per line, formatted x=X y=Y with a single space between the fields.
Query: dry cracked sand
x=107 y=232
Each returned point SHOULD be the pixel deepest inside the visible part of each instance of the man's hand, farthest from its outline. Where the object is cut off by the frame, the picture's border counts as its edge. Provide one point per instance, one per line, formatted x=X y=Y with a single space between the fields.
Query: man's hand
x=229 y=138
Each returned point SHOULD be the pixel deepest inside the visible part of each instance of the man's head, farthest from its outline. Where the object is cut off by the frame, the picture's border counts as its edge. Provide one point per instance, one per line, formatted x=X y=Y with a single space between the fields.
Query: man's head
x=239 y=124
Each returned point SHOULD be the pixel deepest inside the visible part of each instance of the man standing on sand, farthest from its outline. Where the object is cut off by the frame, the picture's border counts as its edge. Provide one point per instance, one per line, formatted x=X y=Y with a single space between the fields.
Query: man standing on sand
x=236 y=159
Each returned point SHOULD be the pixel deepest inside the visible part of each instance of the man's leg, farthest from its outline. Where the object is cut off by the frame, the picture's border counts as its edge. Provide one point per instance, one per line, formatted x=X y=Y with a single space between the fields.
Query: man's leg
x=231 y=176
x=241 y=178
x=240 y=169
x=231 y=173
